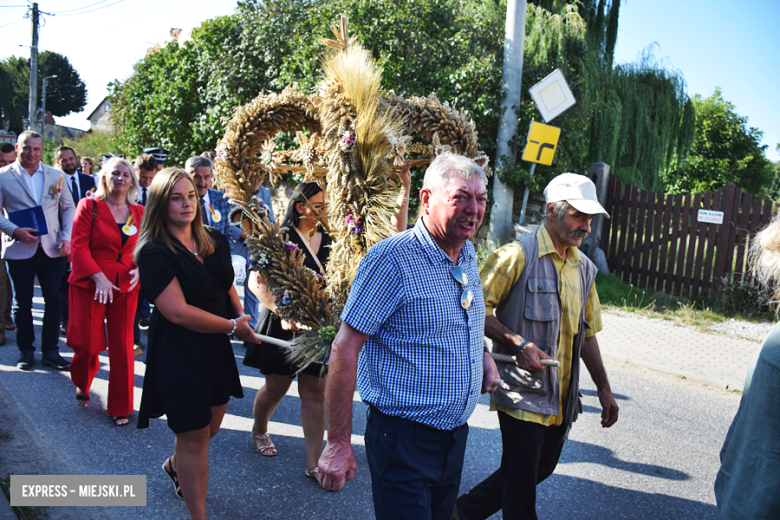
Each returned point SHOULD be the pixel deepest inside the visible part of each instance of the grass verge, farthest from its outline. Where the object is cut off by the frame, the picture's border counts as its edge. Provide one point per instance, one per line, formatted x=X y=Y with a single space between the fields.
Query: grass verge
x=614 y=294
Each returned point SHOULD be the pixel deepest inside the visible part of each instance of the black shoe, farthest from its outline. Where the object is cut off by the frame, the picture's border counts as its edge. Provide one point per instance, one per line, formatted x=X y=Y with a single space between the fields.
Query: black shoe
x=143 y=323
x=26 y=361
x=64 y=328
x=56 y=361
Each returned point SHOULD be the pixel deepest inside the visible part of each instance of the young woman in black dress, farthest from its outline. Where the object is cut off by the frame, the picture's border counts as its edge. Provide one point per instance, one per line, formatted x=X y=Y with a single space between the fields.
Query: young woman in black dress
x=191 y=371
x=304 y=231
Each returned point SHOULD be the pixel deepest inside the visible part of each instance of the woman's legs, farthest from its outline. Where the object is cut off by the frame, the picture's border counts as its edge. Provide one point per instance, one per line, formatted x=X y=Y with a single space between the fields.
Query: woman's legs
x=267 y=399
x=121 y=354
x=191 y=462
x=312 y=392
x=86 y=336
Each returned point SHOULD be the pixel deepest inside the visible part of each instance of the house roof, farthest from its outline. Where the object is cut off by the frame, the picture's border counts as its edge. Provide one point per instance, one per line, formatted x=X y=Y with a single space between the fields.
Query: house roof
x=105 y=99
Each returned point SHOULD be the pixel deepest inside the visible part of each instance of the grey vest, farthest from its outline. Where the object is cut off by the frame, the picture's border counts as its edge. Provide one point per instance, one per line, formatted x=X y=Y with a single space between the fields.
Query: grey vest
x=533 y=310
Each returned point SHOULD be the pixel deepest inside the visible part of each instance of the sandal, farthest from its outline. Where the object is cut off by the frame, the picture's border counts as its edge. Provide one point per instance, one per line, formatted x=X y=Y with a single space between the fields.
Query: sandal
x=315 y=474
x=121 y=421
x=82 y=400
x=173 y=476
x=265 y=446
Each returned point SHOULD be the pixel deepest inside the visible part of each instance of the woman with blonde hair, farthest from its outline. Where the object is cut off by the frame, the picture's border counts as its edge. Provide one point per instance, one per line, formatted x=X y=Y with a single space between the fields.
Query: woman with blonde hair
x=88 y=166
x=191 y=371
x=749 y=478
x=104 y=285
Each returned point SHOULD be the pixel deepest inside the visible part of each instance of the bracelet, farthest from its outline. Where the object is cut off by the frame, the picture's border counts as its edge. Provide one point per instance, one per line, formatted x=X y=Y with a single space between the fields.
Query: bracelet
x=521 y=345
x=486 y=351
x=234 y=327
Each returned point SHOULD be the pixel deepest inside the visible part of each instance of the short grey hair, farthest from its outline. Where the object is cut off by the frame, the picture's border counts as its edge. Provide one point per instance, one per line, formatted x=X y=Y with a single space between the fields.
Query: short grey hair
x=197 y=162
x=448 y=165
x=559 y=208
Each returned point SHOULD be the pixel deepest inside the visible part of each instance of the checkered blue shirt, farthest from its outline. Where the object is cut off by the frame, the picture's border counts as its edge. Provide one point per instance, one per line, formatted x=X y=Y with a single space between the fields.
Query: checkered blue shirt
x=423 y=358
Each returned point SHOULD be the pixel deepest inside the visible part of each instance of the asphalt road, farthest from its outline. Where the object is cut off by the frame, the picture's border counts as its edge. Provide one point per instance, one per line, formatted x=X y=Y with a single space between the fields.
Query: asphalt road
x=658 y=462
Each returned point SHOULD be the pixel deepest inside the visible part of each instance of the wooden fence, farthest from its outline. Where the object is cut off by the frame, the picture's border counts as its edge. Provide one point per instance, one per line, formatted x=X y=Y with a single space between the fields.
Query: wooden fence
x=656 y=241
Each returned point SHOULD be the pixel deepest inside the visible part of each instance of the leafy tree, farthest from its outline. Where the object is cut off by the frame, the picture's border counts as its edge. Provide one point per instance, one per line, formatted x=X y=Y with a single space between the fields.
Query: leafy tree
x=14 y=88
x=179 y=96
x=64 y=94
x=774 y=189
x=724 y=150
x=94 y=144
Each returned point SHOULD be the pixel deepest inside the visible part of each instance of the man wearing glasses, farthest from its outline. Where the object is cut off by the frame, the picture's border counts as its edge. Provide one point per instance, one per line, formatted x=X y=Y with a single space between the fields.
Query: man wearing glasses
x=412 y=332
x=547 y=315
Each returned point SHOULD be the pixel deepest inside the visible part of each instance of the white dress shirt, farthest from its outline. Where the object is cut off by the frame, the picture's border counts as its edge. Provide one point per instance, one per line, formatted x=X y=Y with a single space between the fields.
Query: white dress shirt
x=35 y=181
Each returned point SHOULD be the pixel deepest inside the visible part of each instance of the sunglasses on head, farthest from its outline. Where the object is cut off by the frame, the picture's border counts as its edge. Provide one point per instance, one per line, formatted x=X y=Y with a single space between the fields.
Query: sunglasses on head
x=467 y=297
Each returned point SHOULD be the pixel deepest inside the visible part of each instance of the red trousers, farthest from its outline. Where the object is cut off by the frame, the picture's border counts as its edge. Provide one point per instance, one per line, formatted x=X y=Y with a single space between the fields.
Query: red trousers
x=87 y=338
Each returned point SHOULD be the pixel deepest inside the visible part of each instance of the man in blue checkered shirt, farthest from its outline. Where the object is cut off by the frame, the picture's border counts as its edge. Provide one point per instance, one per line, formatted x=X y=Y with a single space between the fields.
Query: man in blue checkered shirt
x=417 y=305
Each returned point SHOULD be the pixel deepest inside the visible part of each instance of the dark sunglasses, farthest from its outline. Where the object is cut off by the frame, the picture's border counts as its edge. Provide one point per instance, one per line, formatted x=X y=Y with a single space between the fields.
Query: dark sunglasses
x=467 y=297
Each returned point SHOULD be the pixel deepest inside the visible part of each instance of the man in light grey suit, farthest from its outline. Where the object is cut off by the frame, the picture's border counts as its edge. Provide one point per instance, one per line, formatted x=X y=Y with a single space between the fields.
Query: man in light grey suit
x=25 y=184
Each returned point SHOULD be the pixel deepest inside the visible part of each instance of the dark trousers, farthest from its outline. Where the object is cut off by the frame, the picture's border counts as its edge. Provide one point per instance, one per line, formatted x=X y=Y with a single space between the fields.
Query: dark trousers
x=49 y=272
x=415 y=469
x=530 y=454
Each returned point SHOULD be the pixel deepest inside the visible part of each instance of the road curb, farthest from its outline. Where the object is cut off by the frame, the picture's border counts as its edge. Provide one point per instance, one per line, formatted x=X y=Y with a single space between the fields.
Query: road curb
x=719 y=383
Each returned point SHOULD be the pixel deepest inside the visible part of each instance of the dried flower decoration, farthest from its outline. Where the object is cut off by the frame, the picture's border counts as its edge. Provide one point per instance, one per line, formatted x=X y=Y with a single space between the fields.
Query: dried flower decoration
x=355 y=226
x=357 y=134
x=348 y=141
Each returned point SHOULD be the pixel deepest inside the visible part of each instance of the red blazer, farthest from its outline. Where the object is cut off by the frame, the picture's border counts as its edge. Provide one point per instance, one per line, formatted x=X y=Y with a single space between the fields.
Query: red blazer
x=98 y=246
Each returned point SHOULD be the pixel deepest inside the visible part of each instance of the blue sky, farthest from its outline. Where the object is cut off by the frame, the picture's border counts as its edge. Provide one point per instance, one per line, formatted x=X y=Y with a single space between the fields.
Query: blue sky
x=733 y=45
x=714 y=43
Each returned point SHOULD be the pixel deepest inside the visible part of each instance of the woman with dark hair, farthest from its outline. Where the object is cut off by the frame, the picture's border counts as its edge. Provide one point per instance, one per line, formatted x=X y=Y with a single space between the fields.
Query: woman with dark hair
x=304 y=212
x=191 y=371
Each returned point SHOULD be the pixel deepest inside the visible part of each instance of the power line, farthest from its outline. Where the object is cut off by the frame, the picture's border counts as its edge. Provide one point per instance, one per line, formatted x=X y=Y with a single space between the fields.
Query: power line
x=143 y=14
x=91 y=10
x=80 y=8
x=17 y=21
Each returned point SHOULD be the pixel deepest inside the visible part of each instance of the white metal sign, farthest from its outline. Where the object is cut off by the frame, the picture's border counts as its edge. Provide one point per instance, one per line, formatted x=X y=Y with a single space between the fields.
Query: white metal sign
x=710 y=217
x=552 y=95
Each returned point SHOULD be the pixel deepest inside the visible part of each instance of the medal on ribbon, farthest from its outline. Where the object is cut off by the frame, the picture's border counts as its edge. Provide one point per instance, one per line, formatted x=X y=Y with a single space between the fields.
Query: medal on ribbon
x=129 y=228
x=216 y=216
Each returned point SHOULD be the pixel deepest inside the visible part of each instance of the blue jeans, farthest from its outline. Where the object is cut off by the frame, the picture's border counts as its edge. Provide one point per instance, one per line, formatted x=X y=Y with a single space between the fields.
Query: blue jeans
x=415 y=469
x=49 y=272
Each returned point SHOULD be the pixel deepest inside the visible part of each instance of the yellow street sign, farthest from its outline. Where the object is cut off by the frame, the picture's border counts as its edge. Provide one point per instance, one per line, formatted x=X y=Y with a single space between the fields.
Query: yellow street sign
x=541 y=145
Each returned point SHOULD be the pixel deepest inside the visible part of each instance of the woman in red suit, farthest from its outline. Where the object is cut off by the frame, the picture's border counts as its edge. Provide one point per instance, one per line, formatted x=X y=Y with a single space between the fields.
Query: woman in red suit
x=104 y=284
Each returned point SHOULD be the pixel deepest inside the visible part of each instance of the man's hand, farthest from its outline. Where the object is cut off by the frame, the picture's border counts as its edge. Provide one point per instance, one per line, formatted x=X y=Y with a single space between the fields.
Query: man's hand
x=338 y=465
x=490 y=373
x=609 y=408
x=25 y=234
x=64 y=247
x=528 y=358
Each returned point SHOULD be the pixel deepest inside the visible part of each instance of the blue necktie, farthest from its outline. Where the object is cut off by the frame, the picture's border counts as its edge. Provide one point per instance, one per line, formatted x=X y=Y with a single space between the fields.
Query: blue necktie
x=143 y=196
x=74 y=189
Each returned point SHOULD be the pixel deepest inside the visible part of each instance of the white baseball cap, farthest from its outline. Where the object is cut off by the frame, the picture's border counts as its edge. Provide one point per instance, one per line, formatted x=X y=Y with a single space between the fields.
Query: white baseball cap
x=577 y=190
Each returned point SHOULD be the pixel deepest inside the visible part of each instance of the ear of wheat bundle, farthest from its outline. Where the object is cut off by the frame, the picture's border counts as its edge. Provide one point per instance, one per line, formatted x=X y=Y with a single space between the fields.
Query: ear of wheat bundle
x=357 y=134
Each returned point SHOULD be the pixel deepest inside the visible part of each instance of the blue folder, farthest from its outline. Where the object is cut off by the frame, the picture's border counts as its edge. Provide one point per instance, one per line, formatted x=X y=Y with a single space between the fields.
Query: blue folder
x=30 y=218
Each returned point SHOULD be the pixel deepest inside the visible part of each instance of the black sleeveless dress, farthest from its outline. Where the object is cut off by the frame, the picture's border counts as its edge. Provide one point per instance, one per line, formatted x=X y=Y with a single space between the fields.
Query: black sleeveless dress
x=187 y=372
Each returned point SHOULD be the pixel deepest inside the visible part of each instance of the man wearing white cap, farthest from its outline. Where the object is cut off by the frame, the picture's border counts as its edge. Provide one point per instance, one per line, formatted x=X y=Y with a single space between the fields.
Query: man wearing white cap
x=541 y=304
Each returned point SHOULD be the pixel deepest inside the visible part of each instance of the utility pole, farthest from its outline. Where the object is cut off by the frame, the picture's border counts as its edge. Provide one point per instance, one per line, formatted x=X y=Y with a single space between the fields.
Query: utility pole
x=511 y=80
x=43 y=104
x=33 y=69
